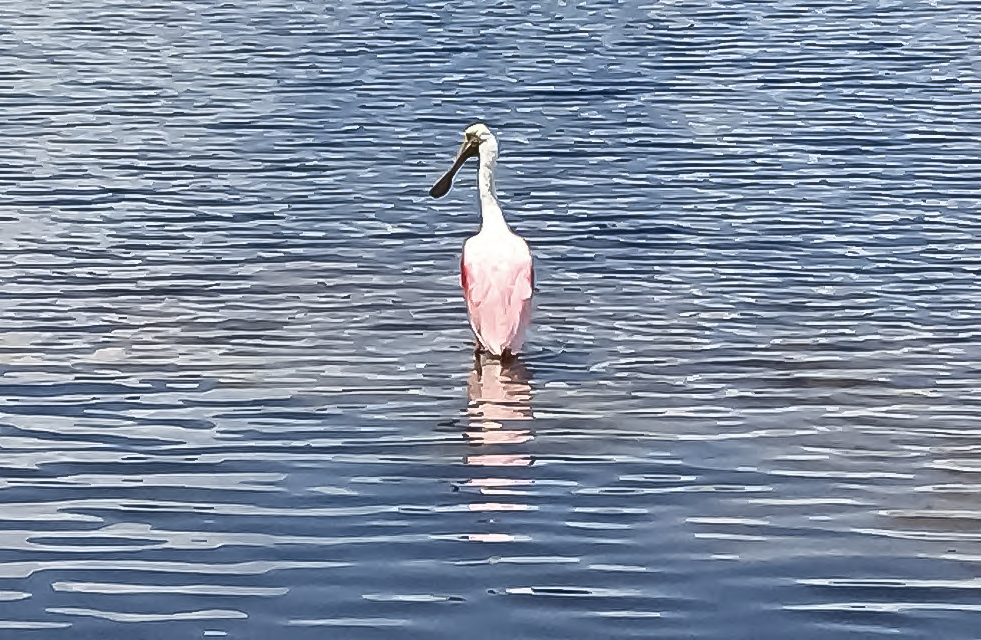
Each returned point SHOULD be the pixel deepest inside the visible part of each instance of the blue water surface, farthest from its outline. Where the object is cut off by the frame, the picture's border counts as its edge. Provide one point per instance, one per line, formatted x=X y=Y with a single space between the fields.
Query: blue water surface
x=237 y=390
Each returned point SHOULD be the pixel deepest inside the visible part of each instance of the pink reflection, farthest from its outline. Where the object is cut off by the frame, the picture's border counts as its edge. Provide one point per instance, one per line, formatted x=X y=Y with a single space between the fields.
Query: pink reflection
x=498 y=395
x=499 y=461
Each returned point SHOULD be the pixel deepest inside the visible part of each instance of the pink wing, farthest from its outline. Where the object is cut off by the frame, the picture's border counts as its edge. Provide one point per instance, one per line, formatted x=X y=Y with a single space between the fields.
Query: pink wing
x=498 y=301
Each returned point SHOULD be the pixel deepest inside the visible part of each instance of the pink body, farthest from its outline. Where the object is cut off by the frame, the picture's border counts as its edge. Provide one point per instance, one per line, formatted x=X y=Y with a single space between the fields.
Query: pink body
x=497 y=279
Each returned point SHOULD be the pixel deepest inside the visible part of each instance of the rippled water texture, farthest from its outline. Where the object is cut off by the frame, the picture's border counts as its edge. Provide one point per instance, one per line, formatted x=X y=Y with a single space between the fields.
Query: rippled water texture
x=236 y=386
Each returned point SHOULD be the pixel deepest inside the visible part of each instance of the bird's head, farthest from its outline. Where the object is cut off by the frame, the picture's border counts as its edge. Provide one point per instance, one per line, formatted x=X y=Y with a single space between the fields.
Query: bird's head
x=473 y=137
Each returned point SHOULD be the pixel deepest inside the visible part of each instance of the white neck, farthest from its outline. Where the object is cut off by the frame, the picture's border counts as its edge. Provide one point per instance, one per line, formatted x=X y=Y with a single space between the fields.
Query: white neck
x=490 y=210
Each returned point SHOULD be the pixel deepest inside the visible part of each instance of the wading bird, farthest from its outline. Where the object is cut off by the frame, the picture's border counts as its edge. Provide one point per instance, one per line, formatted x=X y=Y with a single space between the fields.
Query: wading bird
x=495 y=269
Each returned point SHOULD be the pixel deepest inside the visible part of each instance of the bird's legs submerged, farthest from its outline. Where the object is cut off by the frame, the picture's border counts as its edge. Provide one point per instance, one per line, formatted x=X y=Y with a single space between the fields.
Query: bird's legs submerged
x=476 y=358
x=479 y=353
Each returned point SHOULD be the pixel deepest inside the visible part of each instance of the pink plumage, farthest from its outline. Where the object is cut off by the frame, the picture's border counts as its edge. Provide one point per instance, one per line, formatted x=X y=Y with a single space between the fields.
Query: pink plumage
x=497 y=279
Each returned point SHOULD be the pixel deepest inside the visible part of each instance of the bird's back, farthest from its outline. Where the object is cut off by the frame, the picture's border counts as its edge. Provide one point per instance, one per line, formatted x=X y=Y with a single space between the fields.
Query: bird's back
x=497 y=279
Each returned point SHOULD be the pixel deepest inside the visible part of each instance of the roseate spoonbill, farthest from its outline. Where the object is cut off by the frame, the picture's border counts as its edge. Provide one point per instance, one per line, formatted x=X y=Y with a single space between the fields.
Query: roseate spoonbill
x=495 y=270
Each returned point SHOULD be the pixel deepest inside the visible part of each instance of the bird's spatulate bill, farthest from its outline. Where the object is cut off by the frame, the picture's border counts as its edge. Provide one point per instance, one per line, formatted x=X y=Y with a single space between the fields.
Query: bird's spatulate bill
x=443 y=185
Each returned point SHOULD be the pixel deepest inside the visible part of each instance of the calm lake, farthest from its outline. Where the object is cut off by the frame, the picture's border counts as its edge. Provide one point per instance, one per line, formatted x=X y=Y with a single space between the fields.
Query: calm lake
x=237 y=394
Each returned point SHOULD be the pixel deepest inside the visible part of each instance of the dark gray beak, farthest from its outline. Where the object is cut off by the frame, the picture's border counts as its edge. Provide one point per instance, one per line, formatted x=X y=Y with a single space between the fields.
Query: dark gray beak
x=467 y=150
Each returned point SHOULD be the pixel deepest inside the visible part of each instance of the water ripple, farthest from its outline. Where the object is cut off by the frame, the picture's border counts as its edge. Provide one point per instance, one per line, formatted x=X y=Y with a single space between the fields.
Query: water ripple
x=237 y=392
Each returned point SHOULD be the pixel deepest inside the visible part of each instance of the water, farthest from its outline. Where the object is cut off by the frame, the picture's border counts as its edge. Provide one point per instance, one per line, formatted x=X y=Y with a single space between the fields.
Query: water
x=237 y=392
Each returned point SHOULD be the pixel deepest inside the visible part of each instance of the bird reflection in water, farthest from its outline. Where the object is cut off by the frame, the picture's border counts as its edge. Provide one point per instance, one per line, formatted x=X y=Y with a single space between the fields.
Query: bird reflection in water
x=499 y=396
x=498 y=393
